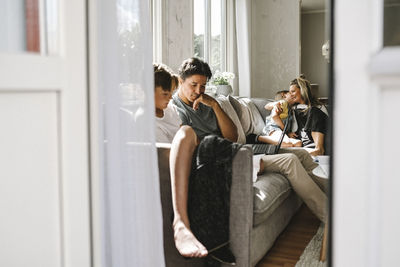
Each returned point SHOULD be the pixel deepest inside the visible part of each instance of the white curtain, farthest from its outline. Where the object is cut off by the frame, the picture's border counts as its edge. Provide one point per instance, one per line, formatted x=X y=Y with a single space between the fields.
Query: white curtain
x=243 y=39
x=131 y=208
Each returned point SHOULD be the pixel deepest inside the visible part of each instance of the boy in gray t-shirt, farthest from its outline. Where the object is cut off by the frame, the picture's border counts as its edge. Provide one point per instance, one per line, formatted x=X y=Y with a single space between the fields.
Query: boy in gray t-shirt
x=196 y=118
x=204 y=116
x=197 y=109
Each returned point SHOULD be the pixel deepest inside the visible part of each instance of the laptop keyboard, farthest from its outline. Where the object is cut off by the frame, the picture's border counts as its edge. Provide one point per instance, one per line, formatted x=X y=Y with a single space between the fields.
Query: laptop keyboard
x=263 y=149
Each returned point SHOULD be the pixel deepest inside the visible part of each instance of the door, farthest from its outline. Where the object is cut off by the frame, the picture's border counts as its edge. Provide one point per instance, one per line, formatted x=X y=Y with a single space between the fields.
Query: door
x=366 y=181
x=44 y=178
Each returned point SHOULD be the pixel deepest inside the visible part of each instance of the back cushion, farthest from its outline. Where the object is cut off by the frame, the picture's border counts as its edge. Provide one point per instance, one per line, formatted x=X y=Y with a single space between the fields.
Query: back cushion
x=230 y=111
x=243 y=114
x=260 y=104
x=257 y=122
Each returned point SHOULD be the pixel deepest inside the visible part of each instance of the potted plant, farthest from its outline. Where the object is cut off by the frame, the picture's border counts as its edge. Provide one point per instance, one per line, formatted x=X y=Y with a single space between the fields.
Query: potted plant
x=222 y=82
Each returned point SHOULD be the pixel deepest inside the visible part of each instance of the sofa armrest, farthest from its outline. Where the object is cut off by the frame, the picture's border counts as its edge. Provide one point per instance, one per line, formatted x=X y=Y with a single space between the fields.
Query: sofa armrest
x=241 y=208
x=171 y=254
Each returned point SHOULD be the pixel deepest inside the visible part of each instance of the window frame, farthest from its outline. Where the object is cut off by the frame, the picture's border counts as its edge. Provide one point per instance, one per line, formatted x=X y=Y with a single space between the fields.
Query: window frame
x=156 y=14
x=207 y=33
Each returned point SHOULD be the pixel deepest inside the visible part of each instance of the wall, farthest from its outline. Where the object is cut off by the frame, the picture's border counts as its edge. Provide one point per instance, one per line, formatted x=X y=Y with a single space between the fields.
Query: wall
x=178 y=32
x=313 y=64
x=275 y=45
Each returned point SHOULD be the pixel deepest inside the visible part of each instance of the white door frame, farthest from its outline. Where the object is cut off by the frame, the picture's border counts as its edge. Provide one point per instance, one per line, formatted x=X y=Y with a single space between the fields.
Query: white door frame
x=51 y=225
x=367 y=83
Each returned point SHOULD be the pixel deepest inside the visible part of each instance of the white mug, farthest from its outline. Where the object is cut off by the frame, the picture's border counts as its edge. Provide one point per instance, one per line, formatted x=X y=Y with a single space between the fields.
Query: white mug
x=323 y=160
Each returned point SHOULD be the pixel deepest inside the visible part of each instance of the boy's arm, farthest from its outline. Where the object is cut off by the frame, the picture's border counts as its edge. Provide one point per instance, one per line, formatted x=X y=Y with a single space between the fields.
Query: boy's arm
x=272 y=105
x=226 y=125
x=276 y=110
x=275 y=116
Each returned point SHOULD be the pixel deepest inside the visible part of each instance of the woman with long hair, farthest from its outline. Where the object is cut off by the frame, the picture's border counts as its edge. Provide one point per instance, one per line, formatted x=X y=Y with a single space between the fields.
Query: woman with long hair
x=311 y=119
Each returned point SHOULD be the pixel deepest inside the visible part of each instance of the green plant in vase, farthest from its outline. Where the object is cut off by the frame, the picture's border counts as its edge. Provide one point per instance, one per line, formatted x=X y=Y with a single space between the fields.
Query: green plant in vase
x=222 y=82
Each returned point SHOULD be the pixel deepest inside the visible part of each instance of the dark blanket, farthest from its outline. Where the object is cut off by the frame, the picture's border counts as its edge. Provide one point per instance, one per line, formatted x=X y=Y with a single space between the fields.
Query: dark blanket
x=209 y=190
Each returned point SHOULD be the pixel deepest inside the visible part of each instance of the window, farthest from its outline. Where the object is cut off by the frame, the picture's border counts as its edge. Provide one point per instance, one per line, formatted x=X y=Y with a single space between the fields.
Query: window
x=210 y=32
x=391 y=23
x=29 y=26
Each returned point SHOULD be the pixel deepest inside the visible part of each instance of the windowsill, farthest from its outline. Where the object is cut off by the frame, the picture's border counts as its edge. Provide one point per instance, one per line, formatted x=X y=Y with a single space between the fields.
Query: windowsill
x=386 y=63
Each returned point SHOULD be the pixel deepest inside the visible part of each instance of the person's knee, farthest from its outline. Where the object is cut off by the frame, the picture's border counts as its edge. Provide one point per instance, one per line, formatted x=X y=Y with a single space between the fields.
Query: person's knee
x=289 y=166
x=301 y=154
x=190 y=134
x=291 y=158
x=188 y=131
x=187 y=135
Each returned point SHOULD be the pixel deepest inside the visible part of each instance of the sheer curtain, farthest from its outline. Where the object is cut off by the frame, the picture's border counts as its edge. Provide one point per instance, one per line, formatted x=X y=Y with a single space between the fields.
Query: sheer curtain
x=130 y=208
x=243 y=44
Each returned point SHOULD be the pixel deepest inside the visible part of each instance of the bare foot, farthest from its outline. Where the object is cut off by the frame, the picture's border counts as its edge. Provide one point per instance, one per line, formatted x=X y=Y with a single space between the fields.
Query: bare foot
x=186 y=243
x=316 y=151
x=296 y=142
x=261 y=167
x=286 y=144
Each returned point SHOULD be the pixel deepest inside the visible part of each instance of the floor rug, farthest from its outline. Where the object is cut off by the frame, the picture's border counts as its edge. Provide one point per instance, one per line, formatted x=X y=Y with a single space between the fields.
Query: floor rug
x=310 y=256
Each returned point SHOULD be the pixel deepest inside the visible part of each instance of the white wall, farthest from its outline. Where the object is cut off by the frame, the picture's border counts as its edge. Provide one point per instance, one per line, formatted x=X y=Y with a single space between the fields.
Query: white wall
x=313 y=64
x=275 y=45
x=178 y=32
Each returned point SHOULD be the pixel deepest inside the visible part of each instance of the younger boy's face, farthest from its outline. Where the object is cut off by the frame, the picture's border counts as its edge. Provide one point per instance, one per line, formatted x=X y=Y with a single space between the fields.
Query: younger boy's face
x=287 y=97
x=161 y=97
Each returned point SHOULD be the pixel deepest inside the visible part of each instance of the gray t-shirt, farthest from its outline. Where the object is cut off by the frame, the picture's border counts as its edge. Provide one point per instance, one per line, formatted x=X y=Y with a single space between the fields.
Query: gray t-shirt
x=203 y=120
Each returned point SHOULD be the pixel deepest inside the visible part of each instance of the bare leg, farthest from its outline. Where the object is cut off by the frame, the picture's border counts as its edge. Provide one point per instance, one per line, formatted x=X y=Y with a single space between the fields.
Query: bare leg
x=296 y=142
x=183 y=146
x=273 y=138
x=319 y=144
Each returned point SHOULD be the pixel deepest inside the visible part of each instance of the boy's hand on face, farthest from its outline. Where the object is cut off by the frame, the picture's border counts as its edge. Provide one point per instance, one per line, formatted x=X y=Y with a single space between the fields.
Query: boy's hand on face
x=205 y=99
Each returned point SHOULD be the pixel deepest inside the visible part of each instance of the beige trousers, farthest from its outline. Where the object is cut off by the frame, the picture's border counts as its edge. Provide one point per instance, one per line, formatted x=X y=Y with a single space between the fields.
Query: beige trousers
x=297 y=165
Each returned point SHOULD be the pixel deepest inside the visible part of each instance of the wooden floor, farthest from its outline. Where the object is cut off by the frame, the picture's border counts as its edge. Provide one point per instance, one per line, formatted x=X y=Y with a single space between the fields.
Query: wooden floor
x=291 y=243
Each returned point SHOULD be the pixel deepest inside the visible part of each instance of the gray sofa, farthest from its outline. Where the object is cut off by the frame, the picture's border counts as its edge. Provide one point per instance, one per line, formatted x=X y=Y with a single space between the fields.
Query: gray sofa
x=259 y=211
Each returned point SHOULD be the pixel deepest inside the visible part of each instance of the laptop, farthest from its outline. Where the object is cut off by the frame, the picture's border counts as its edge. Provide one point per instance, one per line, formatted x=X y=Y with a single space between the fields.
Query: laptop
x=269 y=149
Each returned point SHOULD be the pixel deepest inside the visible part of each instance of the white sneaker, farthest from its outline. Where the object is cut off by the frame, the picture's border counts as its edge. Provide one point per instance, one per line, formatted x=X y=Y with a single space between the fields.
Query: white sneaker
x=322 y=171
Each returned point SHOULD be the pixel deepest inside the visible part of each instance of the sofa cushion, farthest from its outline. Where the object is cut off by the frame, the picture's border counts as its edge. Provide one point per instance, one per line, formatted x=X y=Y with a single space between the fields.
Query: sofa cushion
x=257 y=122
x=270 y=190
x=230 y=111
x=260 y=104
x=243 y=114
